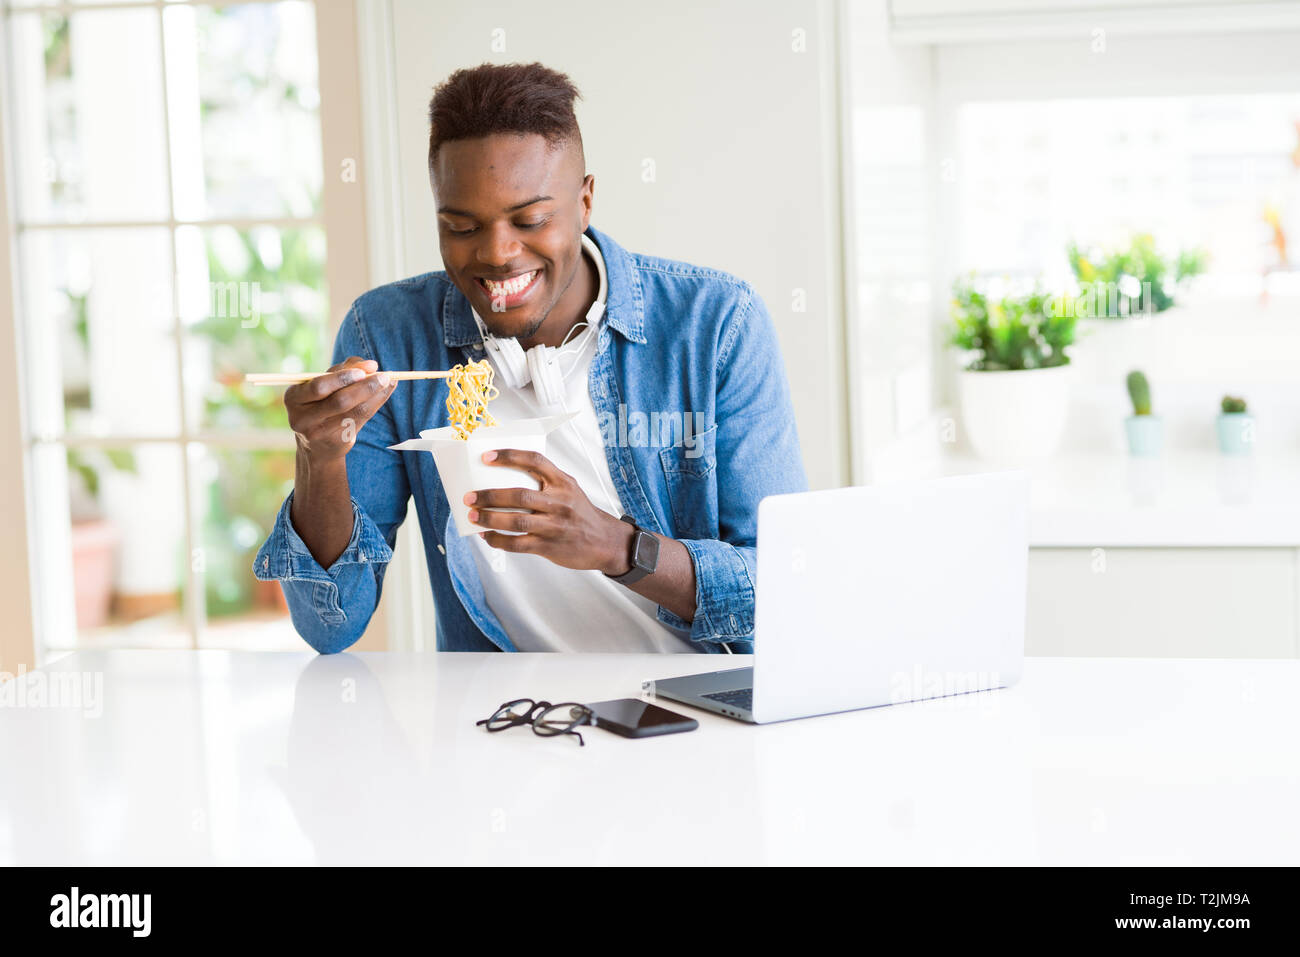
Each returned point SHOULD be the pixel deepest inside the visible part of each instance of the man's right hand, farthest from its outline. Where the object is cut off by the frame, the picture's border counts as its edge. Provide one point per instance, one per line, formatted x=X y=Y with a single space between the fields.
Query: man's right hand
x=327 y=412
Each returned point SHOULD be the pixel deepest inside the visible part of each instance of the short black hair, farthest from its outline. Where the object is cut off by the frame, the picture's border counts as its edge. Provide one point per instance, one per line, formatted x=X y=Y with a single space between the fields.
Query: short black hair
x=503 y=98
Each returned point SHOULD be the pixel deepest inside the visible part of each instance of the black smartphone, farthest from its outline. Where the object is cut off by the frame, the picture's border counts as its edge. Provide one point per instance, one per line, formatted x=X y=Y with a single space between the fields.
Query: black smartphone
x=633 y=718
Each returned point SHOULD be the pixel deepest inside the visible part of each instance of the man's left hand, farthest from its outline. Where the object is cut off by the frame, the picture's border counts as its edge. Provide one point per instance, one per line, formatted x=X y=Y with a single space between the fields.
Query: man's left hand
x=560 y=524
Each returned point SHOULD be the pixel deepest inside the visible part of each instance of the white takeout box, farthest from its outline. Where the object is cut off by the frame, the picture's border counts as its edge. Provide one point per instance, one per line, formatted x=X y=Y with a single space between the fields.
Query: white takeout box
x=460 y=462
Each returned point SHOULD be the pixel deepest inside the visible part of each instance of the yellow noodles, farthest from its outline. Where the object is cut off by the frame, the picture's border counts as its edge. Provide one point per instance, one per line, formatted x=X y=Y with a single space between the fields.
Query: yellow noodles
x=469 y=390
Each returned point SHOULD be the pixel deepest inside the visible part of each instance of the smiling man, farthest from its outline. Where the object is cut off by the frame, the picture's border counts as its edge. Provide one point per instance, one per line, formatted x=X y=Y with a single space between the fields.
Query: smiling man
x=642 y=534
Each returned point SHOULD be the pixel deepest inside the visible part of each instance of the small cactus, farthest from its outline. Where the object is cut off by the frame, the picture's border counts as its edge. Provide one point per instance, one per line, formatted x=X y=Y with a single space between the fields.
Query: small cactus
x=1233 y=405
x=1139 y=390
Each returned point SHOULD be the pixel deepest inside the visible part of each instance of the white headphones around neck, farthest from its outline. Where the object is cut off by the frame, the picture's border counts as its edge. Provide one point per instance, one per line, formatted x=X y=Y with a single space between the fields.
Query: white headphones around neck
x=541 y=364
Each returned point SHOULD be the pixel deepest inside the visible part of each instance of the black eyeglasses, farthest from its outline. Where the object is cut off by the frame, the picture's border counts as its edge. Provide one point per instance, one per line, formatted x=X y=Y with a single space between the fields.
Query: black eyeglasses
x=547 y=719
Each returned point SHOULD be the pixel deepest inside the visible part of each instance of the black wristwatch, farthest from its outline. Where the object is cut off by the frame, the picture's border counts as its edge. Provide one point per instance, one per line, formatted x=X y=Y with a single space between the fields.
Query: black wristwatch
x=644 y=557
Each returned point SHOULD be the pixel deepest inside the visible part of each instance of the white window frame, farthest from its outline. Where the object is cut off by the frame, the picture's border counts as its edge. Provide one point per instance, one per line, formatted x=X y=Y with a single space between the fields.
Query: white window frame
x=34 y=623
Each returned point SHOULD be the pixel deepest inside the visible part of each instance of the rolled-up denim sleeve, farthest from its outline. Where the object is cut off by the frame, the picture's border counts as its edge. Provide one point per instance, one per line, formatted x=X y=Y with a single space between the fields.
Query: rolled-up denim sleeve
x=724 y=591
x=758 y=455
x=330 y=607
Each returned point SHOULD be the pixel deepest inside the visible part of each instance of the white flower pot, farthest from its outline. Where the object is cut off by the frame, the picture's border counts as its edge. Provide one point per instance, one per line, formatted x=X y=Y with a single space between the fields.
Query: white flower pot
x=1015 y=417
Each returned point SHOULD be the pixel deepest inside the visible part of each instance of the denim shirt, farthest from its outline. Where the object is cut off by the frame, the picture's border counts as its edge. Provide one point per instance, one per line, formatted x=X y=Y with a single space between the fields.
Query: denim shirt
x=691 y=395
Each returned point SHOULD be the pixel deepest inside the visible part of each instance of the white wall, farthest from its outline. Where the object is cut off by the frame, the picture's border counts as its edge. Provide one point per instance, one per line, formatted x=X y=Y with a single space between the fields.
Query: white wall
x=742 y=130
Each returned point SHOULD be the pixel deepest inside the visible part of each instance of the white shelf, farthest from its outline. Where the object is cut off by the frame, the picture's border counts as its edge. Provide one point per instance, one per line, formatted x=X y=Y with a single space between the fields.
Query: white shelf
x=1183 y=499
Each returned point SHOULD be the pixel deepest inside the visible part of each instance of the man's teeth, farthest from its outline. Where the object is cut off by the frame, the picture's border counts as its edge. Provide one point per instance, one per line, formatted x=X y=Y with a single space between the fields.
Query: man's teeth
x=510 y=286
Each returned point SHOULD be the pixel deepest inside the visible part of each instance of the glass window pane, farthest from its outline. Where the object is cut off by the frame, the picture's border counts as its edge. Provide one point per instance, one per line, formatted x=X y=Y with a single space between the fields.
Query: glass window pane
x=240 y=492
x=244 y=109
x=252 y=301
x=88 y=116
x=1219 y=173
x=121 y=536
x=99 y=331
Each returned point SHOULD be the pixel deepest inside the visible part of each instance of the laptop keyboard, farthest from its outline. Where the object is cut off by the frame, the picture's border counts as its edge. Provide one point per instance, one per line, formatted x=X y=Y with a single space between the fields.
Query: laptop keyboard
x=740 y=698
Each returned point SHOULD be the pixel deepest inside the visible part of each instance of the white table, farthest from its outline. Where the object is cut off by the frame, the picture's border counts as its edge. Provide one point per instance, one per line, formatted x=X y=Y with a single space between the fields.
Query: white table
x=229 y=757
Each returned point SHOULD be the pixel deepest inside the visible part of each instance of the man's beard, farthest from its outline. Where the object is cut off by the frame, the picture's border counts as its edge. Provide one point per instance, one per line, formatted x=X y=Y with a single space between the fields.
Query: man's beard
x=526 y=333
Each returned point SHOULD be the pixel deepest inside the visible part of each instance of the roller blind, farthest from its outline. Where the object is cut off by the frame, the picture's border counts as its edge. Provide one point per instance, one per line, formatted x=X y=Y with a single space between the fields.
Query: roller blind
x=961 y=21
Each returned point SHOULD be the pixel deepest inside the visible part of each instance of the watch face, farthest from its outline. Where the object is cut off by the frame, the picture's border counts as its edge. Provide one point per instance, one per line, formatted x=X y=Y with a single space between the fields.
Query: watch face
x=647 y=551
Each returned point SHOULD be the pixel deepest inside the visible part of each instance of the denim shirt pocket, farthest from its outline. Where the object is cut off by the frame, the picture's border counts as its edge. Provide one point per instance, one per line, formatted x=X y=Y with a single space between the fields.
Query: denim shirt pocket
x=692 y=477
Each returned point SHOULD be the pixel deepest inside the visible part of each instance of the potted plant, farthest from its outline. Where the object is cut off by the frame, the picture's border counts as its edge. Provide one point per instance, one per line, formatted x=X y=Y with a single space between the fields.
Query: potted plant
x=1120 y=290
x=94 y=537
x=1122 y=283
x=1235 y=427
x=1013 y=393
x=1145 y=431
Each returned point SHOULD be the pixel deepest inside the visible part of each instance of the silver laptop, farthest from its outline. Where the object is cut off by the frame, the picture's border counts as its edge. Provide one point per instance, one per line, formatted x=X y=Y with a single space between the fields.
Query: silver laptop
x=879 y=594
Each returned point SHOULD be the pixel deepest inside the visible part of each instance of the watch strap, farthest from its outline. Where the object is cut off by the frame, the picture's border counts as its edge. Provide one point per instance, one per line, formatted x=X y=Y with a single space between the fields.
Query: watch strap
x=636 y=572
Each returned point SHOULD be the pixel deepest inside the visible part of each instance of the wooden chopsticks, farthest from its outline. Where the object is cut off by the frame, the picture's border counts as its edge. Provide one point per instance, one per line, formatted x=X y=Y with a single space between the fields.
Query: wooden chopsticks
x=292 y=378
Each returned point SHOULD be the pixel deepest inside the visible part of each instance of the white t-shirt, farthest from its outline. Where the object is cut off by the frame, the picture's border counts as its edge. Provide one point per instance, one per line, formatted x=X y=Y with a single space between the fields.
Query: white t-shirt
x=544 y=606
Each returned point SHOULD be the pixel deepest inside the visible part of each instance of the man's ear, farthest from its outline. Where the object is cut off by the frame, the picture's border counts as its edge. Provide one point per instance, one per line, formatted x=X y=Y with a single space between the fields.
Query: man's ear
x=585 y=197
